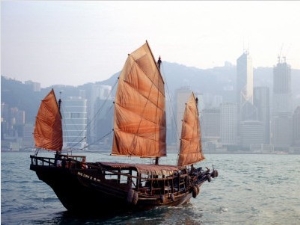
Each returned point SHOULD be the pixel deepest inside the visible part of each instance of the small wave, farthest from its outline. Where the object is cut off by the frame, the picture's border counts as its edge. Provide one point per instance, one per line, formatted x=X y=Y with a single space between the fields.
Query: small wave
x=223 y=209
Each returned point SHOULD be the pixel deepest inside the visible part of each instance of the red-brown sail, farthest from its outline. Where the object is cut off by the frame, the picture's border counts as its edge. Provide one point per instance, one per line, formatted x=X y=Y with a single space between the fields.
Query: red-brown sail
x=139 y=118
x=48 y=125
x=190 y=143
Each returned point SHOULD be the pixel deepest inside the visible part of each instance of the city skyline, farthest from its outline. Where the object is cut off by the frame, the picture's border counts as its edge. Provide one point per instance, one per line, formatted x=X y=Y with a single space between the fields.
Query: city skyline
x=221 y=129
x=77 y=42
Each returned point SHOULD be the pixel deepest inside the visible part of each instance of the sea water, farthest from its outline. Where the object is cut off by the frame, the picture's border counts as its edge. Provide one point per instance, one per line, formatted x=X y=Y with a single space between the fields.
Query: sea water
x=250 y=189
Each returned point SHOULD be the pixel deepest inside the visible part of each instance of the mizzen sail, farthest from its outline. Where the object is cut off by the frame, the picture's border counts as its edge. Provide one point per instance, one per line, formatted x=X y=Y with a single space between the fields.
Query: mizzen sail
x=139 y=117
x=190 y=143
x=48 y=125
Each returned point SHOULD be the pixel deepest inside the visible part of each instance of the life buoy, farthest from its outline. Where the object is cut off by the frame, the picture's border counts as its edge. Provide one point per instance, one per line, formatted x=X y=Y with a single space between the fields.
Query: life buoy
x=172 y=197
x=208 y=178
x=162 y=198
x=217 y=173
x=135 y=197
x=214 y=173
x=198 y=190
x=130 y=195
x=194 y=191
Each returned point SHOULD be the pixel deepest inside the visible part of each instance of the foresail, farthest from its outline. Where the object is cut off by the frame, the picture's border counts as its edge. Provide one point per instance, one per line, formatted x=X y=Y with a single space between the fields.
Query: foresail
x=190 y=143
x=48 y=125
x=139 y=117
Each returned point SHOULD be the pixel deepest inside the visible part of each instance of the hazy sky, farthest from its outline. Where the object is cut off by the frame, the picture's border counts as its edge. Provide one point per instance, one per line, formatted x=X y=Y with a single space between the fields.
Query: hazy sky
x=76 y=42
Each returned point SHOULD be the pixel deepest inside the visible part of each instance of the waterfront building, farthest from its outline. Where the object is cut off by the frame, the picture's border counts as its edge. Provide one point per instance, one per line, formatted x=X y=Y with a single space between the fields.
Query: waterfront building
x=251 y=133
x=261 y=101
x=228 y=124
x=296 y=127
x=100 y=102
x=74 y=113
x=210 y=123
x=282 y=89
x=281 y=125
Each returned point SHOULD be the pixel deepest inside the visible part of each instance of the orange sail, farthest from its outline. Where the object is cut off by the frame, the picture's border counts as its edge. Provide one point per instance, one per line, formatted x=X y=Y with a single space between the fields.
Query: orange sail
x=139 y=117
x=48 y=125
x=190 y=143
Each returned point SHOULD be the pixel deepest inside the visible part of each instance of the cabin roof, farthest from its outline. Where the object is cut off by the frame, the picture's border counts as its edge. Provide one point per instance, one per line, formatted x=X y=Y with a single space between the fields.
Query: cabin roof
x=149 y=169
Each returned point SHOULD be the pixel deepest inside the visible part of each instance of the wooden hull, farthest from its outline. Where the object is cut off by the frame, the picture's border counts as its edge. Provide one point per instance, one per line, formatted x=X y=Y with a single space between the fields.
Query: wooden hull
x=79 y=194
x=87 y=191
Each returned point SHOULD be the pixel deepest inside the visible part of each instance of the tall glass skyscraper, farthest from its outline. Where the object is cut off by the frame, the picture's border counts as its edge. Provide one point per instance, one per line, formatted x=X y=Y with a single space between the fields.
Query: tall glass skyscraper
x=245 y=87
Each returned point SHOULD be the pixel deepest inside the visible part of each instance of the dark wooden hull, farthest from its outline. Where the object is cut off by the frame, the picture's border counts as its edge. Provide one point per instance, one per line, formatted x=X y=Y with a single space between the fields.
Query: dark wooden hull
x=79 y=194
x=86 y=191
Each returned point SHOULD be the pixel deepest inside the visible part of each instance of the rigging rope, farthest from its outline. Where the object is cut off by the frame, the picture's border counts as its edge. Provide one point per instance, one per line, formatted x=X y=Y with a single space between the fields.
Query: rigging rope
x=97 y=140
x=173 y=117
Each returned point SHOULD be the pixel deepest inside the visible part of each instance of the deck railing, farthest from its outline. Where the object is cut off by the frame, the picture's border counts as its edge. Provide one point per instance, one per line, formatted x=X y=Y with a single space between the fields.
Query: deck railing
x=42 y=161
x=60 y=161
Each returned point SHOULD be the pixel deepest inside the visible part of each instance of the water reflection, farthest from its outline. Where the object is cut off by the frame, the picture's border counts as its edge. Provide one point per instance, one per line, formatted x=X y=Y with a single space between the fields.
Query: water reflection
x=187 y=214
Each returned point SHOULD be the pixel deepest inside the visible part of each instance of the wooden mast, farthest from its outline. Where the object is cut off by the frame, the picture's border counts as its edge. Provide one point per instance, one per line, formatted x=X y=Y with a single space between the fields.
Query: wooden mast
x=158 y=65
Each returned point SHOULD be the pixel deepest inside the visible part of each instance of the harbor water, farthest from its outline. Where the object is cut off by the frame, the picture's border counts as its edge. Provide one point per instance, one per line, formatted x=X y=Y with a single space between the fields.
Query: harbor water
x=250 y=189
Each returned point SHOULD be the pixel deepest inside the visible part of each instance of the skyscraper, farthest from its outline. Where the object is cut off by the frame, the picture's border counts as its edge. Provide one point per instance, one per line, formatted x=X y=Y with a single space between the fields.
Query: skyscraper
x=282 y=89
x=282 y=105
x=245 y=87
x=74 y=115
x=228 y=124
x=210 y=123
x=261 y=101
x=98 y=106
x=251 y=133
x=282 y=131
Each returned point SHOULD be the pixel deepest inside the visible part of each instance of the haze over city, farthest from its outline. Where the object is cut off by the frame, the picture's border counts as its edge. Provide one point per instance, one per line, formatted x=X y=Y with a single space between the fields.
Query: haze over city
x=76 y=42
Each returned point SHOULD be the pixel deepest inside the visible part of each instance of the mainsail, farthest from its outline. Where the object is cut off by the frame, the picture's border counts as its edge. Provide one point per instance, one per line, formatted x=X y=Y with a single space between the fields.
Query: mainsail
x=139 y=118
x=48 y=125
x=190 y=143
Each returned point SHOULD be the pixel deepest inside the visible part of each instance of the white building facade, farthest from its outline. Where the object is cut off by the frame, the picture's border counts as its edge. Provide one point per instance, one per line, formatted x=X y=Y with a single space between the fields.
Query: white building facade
x=74 y=114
